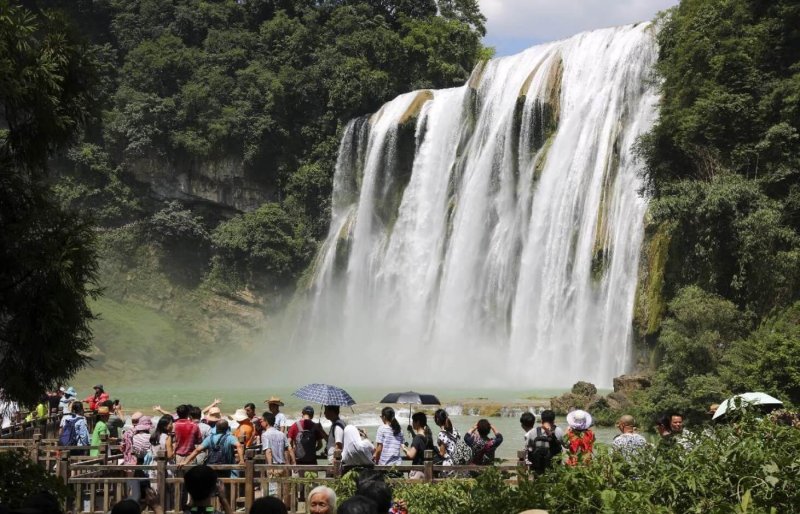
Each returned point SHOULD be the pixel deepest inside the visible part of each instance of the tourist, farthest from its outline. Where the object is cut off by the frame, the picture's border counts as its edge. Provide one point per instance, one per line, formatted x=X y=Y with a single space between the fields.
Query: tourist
x=448 y=436
x=306 y=437
x=357 y=449
x=54 y=400
x=100 y=432
x=483 y=447
x=250 y=410
x=94 y=401
x=187 y=435
x=135 y=448
x=423 y=440
x=275 y=443
x=65 y=404
x=712 y=409
x=579 y=438
x=662 y=429
x=213 y=406
x=336 y=435
x=628 y=443
x=73 y=430
x=245 y=432
x=388 y=440
x=126 y=445
x=212 y=415
x=221 y=447
x=277 y=451
x=160 y=440
x=40 y=411
x=274 y=405
x=196 y=415
x=375 y=488
x=322 y=500
x=268 y=505
x=116 y=420
x=677 y=432
x=202 y=485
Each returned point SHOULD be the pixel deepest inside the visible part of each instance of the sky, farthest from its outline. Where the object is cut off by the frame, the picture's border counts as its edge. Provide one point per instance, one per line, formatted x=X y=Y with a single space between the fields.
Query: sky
x=514 y=25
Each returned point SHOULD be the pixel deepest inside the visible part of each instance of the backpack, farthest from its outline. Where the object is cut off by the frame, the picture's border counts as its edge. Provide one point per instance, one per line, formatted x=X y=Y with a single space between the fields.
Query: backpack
x=305 y=444
x=69 y=434
x=140 y=444
x=462 y=453
x=542 y=449
x=216 y=451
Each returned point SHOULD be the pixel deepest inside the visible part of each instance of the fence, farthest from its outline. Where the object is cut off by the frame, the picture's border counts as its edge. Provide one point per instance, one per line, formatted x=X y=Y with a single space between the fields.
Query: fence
x=101 y=481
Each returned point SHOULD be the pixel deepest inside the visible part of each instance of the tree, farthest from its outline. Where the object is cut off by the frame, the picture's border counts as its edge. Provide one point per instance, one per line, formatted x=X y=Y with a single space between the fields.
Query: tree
x=48 y=263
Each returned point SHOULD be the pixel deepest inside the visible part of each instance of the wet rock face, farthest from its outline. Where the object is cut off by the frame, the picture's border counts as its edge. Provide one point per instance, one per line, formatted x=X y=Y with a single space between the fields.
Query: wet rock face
x=626 y=384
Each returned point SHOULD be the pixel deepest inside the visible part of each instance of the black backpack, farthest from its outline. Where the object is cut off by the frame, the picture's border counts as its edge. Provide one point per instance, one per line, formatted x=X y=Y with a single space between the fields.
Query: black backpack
x=305 y=445
x=542 y=449
x=216 y=451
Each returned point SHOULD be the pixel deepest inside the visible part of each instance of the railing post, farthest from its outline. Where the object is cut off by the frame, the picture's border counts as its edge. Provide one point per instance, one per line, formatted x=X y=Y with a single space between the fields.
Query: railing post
x=104 y=448
x=35 y=450
x=161 y=478
x=249 y=479
x=428 y=456
x=63 y=465
x=337 y=463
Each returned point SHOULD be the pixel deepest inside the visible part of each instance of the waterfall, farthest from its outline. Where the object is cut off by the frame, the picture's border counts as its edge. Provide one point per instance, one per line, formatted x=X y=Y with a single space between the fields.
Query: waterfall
x=489 y=235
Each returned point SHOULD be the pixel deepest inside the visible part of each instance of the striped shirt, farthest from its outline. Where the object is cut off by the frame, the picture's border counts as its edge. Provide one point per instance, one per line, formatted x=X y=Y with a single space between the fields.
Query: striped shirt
x=390 y=453
x=275 y=440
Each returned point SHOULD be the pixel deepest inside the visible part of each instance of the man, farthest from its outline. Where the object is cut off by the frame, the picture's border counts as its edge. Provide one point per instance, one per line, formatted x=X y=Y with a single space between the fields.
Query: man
x=336 y=435
x=250 y=410
x=542 y=443
x=277 y=451
x=220 y=447
x=213 y=415
x=246 y=430
x=187 y=435
x=100 y=432
x=205 y=429
x=202 y=485
x=628 y=442
x=307 y=453
x=274 y=404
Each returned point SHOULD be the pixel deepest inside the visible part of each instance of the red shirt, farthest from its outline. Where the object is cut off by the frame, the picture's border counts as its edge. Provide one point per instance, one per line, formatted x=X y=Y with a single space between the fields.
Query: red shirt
x=187 y=435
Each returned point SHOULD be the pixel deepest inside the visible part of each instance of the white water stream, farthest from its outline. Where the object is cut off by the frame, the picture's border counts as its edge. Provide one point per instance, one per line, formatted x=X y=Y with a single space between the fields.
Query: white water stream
x=489 y=235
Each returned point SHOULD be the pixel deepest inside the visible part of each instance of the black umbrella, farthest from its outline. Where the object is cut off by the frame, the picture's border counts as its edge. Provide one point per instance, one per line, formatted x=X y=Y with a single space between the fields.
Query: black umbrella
x=411 y=397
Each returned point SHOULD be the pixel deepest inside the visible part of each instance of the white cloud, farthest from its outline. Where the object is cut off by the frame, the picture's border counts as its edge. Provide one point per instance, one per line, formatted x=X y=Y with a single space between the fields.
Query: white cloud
x=513 y=25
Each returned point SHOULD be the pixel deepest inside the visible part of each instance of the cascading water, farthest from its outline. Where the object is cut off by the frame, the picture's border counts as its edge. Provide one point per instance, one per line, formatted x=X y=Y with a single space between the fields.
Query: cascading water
x=489 y=235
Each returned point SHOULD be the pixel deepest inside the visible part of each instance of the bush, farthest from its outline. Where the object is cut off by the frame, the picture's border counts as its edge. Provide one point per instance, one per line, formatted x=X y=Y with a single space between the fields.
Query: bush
x=21 y=479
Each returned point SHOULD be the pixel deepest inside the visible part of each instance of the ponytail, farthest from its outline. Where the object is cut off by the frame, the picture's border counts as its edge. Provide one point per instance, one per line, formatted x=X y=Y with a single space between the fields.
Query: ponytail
x=443 y=420
x=388 y=415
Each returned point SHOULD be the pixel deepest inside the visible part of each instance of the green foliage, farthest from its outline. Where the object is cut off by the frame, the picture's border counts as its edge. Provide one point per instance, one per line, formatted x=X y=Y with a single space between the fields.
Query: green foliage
x=750 y=467
x=21 y=479
x=184 y=240
x=49 y=263
x=262 y=245
x=769 y=359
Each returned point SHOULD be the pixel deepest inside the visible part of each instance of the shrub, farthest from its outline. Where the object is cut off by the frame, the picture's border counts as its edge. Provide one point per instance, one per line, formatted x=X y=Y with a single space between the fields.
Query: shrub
x=21 y=479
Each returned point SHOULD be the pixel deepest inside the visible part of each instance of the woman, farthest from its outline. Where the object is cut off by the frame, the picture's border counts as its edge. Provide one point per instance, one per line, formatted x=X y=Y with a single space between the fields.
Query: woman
x=423 y=440
x=160 y=440
x=357 y=450
x=447 y=436
x=322 y=500
x=579 y=439
x=483 y=446
x=77 y=429
x=388 y=440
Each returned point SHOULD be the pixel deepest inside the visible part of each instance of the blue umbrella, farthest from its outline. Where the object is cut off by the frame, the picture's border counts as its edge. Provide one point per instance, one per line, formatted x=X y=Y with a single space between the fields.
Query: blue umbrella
x=324 y=394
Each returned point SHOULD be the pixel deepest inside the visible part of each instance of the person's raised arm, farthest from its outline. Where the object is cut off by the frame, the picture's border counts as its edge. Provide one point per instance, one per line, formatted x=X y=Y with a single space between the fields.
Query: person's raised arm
x=216 y=402
x=157 y=408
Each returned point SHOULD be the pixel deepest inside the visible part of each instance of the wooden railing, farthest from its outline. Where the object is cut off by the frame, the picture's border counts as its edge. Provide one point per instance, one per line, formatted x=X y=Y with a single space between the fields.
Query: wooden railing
x=101 y=481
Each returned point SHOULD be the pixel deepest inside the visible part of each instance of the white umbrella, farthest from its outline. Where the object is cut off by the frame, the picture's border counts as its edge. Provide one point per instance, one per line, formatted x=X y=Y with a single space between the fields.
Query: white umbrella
x=745 y=399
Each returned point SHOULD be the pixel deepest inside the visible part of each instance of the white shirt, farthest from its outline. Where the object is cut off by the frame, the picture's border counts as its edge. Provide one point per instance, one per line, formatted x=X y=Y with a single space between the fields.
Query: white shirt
x=8 y=412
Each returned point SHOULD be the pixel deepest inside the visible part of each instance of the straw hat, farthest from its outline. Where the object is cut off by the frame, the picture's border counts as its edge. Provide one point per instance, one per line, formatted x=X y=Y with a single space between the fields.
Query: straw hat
x=579 y=420
x=274 y=399
x=103 y=411
x=214 y=414
x=240 y=415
